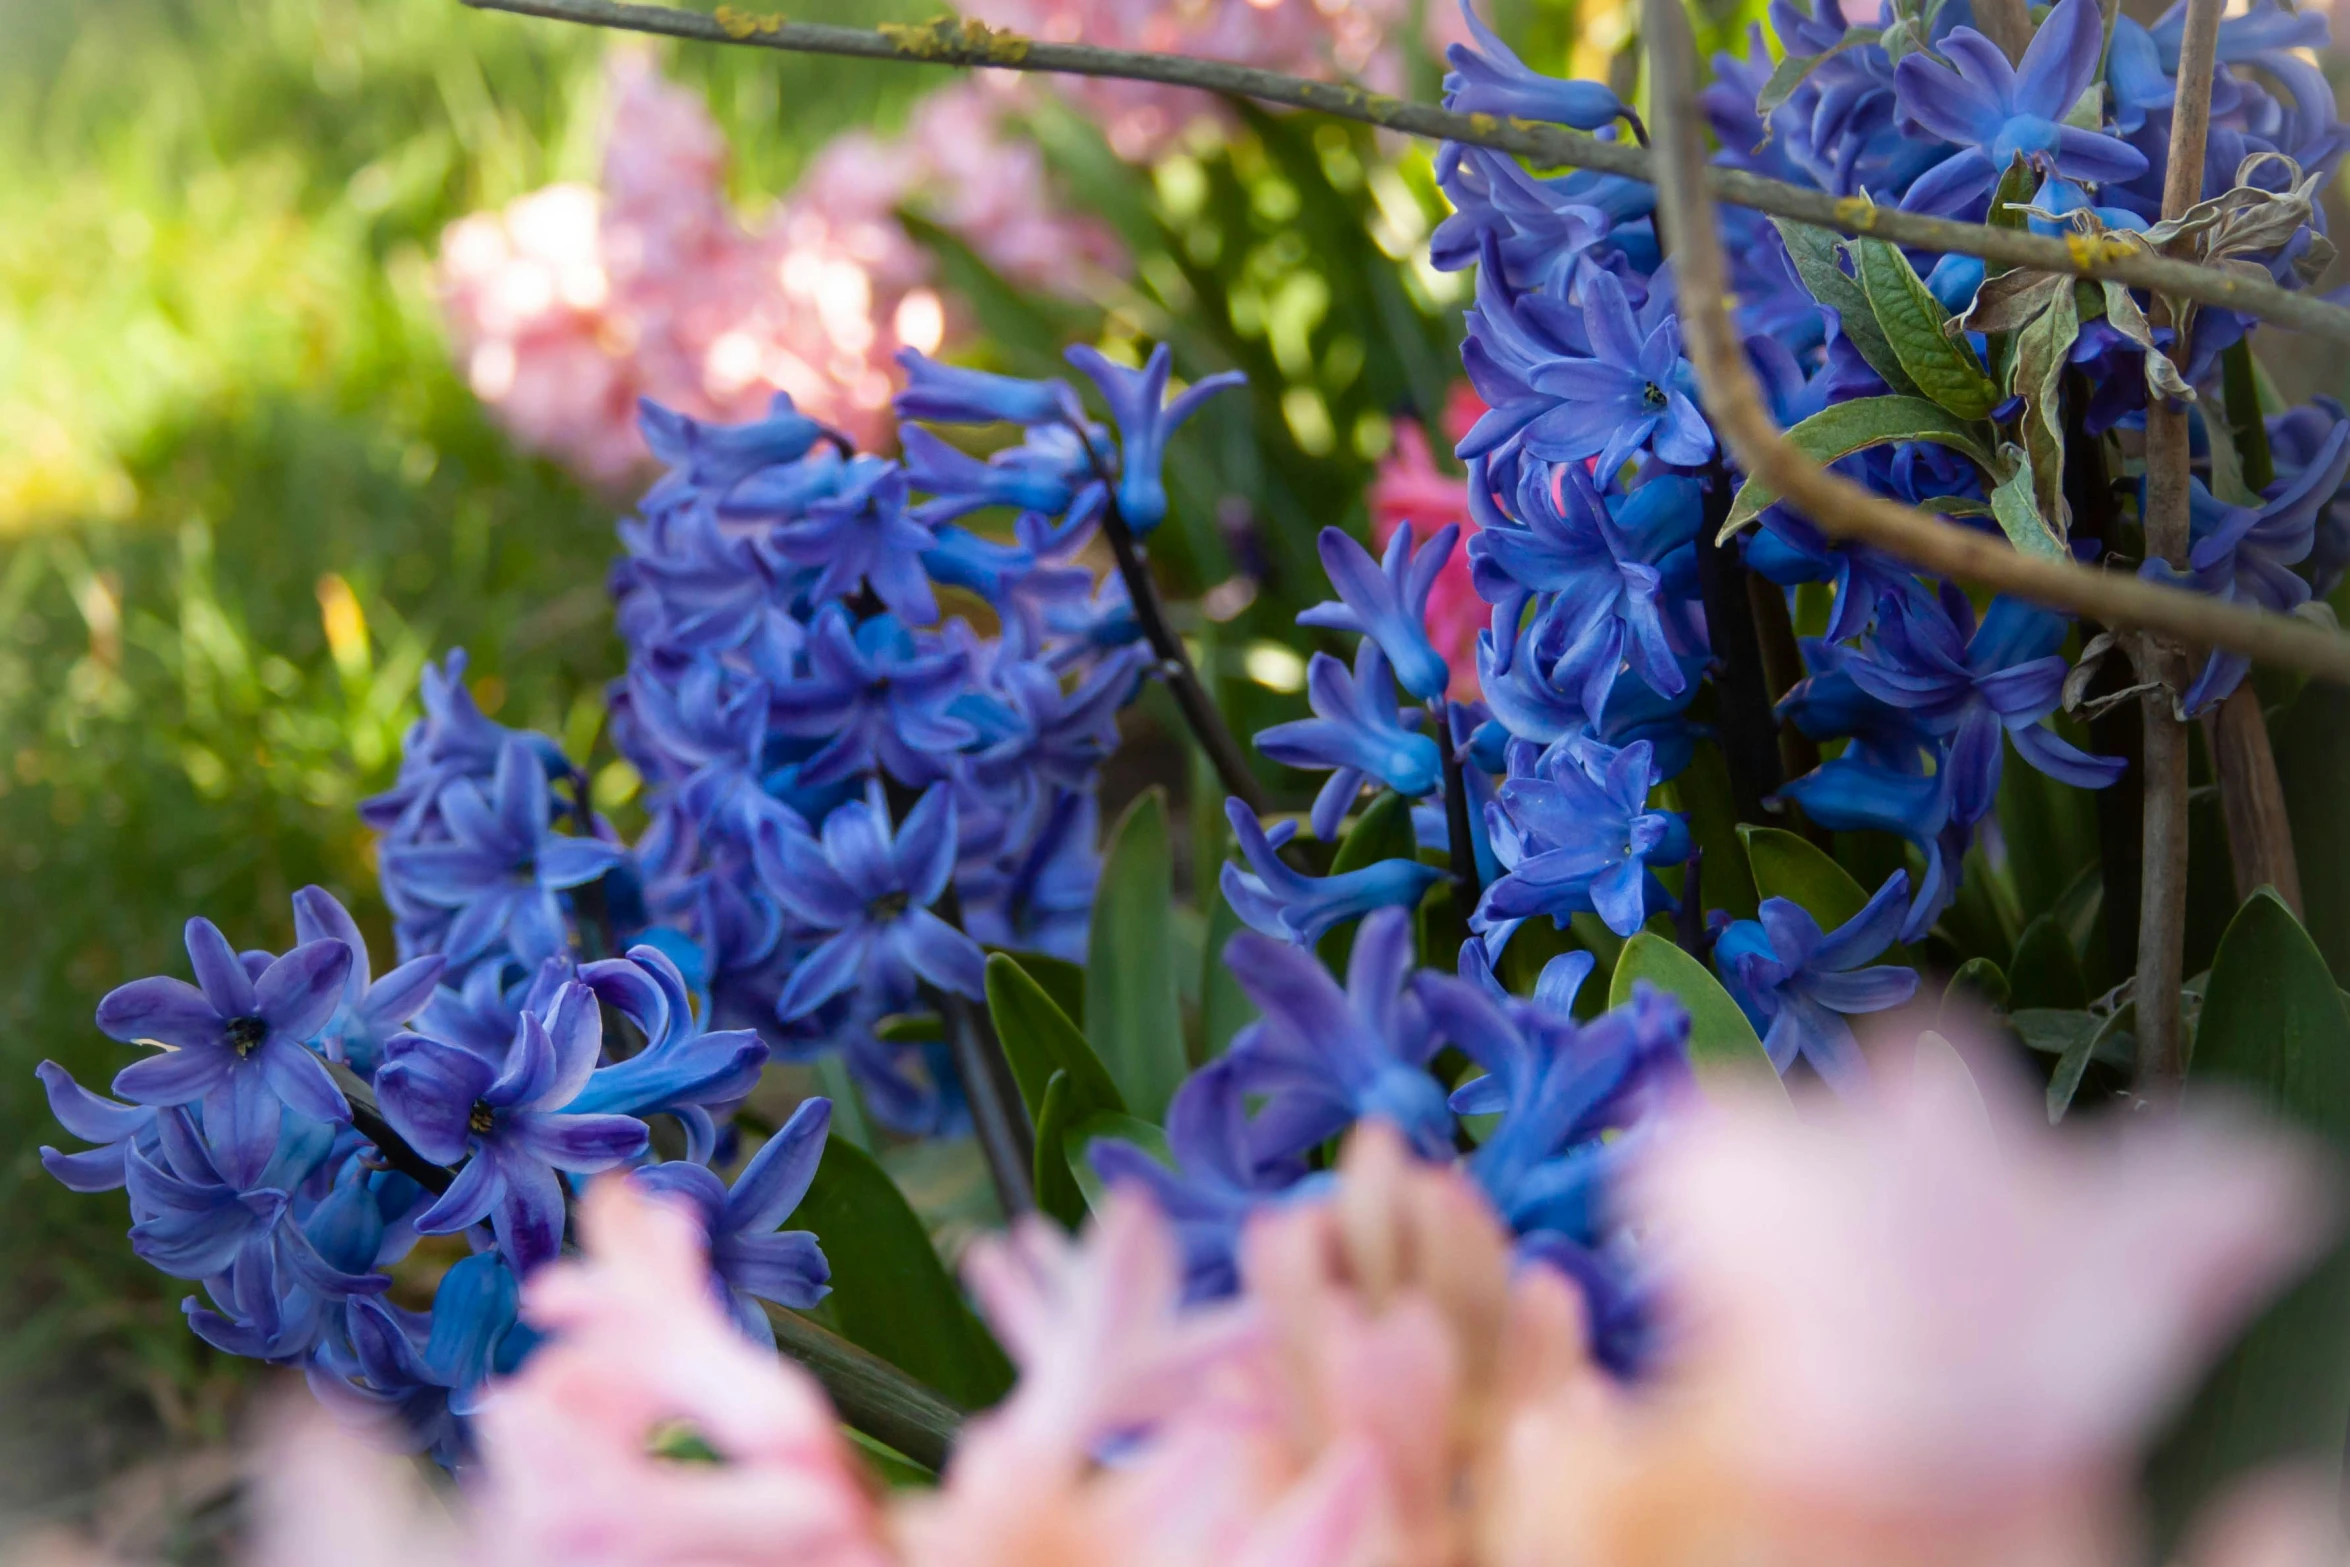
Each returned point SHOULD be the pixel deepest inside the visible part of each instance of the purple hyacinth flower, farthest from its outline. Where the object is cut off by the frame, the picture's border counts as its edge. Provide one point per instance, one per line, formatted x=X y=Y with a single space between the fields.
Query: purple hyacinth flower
x=1320 y=1058
x=509 y=1116
x=503 y=866
x=1996 y=112
x=1970 y=684
x=2246 y=554
x=1577 y=835
x=1357 y=732
x=1289 y=904
x=713 y=458
x=861 y=536
x=876 y=695
x=1798 y=985
x=1388 y=602
x=1635 y=392
x=682 y=1071
x=240 y=1044
x=1145 y=420
x=1489 y=79
x=951 y=394
x=1220 y=1179
x=419 y=1378
x=93 y=1118
x=751 y=1253
x=871 y=889
x=372 y=1010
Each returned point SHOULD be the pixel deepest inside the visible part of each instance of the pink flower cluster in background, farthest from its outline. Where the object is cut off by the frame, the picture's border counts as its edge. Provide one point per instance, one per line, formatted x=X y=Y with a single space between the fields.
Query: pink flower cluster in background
x=1358 y=40
x=571 y=303
x=1906 y=1332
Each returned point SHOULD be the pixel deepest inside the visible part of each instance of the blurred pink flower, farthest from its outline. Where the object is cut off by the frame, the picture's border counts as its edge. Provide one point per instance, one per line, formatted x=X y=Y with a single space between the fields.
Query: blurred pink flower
x=640 y=1343
x=572 y=303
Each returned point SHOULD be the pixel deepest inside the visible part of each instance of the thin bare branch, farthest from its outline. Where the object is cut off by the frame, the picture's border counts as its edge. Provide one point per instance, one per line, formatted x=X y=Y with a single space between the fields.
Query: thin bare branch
x=971 y=44
x=1733 y=401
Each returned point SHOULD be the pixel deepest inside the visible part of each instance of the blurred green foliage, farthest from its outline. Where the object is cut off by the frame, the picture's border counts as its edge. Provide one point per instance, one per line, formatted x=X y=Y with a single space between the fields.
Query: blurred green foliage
x=243 y=495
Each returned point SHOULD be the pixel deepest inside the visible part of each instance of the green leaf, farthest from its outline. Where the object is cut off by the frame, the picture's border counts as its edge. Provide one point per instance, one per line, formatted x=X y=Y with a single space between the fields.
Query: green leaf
x=1703 y=789
x=1721 y=1040
x=1039 y=1040
x=2017 y=186
x=1816 y=254
x=1125 y=1128
x=1840 y=429
x=1789 y=866
x=2273 y=1031
x=1383 y=832
x=1061 y=979
x=2015 y=504
x=1057 y=1192
x=1133 y=1010
x=2110 y=1041
x=1978 y=986
x=910 y=1028
x=2313 y=757
x=2044 y=971
x=1909 y=315
x=890 y=1294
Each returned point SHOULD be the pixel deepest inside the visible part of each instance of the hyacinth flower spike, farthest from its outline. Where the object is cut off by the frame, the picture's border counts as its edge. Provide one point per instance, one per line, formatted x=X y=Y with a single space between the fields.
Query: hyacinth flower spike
x=1488 y=78
x=861 y=535
x=236 y=1043
x=1797 y=985
x=1635 y=392
x=1583 y=838
x=1996 y=112
x=751 y=1253
x=714 y=458
x=1280 y=901
x=1388 y=602
x=1145 y=420
x=951 y=394
x=1356 y=732
x=94 y=1119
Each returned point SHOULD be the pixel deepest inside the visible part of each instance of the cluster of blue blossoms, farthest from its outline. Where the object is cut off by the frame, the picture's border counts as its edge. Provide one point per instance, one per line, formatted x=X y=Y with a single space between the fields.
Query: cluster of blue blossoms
x=852 y=794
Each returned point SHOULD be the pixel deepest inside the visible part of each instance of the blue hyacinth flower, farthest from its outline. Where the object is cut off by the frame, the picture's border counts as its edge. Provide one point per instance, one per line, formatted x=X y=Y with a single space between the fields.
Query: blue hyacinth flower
x=1797 y=985
x=1489 y=79
x=372 y=1010
x=681 y=1071
x=1220 y=1177
x=503 y=866
x=876 y=695
x=712 y=459
x=1320 y=1058
x=951 y=394
x=93 y=1118
x=1356 y=732
x=1028 y=477
x=239 y=1045
x=754 y=1257
x=861 y=536
x=1636 y=392
x=1388 y=602
x=870 y=889
x=512 y=1117
x=1279 y=901
x=1996 y=112
x=1145 y=420
x=1577 y=835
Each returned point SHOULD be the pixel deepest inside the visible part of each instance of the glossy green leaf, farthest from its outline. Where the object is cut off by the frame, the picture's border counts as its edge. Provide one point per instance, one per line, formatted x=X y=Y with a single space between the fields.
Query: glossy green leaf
x=890 y=1293
x=1703 y=792
x=1382 y=832
x=1841 y=429
x=1788 y=865
x=1224 y=1007
x=1944 y=368
x=1721 y=1040
x=1817 y=256
x=1133 y=1010
x=1978 y=986
x=2273 y=1032
x=2107 y=1040
x=1077 y=1139
x=1057 y=1192
x=1059 y=978
x=2044 y=970
x=1039 y=1039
